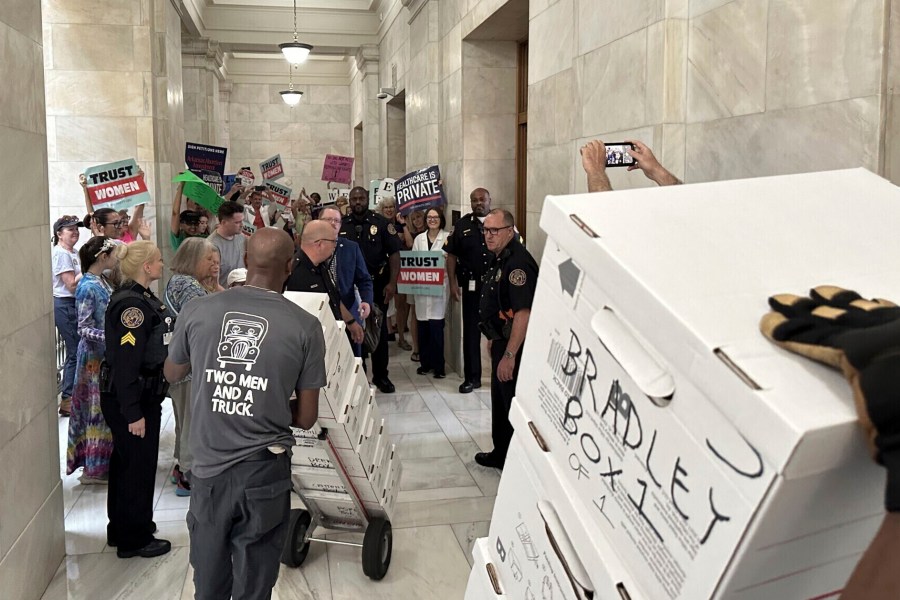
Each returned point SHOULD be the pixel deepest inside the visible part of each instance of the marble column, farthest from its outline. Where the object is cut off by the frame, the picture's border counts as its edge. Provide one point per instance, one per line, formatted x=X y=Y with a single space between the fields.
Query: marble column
x=202 y=71
x=423 y=85
x=32 y=537
x=373 y=164
x=114 y=91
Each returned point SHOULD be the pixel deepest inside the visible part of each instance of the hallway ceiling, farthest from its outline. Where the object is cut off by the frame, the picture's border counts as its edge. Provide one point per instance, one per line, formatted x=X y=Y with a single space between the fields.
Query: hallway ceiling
x=249 y=31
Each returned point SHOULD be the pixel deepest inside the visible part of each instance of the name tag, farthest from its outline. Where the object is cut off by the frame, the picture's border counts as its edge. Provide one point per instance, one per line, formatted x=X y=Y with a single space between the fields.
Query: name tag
x=471 y=285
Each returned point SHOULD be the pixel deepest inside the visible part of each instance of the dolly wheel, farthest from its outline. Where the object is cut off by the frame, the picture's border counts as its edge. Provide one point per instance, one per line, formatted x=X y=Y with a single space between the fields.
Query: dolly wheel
x=296 y=547
x=376 y=550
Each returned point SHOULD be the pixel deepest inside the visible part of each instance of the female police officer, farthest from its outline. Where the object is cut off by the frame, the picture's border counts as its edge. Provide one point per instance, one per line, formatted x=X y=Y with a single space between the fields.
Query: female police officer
x=137 y=331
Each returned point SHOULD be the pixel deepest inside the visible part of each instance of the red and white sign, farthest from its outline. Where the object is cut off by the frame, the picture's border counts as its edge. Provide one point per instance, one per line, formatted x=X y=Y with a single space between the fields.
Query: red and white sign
x=116 y=185
x=271 y=168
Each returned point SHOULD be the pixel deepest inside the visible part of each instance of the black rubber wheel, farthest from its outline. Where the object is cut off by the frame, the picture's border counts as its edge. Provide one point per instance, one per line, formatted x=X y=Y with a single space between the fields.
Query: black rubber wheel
x=376 y=550
x=295 y=549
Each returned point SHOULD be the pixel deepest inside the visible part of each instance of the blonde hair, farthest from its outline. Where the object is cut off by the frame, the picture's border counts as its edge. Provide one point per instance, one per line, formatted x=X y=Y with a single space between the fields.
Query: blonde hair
x=190 y=253
x=135 y=255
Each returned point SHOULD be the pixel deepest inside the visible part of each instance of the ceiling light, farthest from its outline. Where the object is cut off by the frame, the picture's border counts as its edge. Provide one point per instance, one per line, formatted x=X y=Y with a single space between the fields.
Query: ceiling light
x=291 y=96
x=295 y=52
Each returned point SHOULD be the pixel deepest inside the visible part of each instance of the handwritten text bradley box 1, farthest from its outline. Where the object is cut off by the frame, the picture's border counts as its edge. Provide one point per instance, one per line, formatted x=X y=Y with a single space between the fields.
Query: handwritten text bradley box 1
x=709 y=460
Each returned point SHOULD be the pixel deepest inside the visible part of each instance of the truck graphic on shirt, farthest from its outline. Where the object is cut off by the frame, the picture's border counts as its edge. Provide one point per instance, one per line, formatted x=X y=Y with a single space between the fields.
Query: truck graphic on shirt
x=242 y=334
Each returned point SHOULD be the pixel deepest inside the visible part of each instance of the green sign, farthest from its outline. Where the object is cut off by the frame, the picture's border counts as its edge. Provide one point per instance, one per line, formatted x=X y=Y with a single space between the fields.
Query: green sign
x=199 y=191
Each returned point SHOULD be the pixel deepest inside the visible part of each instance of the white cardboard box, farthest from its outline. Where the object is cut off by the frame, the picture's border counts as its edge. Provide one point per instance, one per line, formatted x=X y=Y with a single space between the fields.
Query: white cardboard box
x=528 y=544
x=739 y=468
x=481 y=586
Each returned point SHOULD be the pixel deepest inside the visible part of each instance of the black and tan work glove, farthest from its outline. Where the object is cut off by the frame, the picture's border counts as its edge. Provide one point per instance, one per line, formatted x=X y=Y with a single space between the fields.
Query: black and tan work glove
x=861 y=338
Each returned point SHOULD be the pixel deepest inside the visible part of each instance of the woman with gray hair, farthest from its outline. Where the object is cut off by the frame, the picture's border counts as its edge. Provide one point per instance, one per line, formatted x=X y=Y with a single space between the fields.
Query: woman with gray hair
x=195 y=262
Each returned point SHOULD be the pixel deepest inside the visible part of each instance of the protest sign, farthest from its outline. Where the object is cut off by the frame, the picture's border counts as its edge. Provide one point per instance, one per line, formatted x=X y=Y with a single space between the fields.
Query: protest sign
x=201 y=157
x=212 y=179
x=229 y=181
x=379 y=189
x=419 y=190
x=334 y=194
x=337 y=168
x=116 y=185
x=421 y=272
x=245 y=177
x=197 y=190
x=280 y=194
x=271 y=168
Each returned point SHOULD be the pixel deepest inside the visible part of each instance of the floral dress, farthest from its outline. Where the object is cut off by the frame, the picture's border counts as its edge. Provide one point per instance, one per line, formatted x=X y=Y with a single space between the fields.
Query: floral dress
x=90 y=439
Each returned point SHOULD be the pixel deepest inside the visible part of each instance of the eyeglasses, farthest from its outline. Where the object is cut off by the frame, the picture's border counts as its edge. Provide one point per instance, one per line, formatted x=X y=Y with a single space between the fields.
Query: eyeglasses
x=327 y=240
x=495 y=230
x=433 y=218
x=114 y=223
x=331 y=220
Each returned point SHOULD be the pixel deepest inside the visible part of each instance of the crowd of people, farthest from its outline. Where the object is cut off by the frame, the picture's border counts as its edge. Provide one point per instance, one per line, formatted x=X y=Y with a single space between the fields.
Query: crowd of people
x=127 y=349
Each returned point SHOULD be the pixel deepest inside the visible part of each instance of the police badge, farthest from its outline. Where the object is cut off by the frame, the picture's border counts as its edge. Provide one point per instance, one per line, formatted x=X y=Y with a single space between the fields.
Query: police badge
x=391 y=229
x=373 y=230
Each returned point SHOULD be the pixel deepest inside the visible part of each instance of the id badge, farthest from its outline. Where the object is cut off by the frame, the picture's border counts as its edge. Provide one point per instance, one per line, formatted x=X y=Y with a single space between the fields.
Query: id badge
x=471 y=285
x=167 y=337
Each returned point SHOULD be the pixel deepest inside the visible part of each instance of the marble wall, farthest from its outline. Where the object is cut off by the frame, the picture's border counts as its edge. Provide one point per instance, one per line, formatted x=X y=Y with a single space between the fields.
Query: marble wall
x=202 y=70
x=114 y=91
x=719 y=89
x=260 y=125
x=31 y=507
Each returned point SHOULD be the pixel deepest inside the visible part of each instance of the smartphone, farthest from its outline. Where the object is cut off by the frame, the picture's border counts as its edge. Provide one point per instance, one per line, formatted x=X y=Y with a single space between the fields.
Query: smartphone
x=617 y=155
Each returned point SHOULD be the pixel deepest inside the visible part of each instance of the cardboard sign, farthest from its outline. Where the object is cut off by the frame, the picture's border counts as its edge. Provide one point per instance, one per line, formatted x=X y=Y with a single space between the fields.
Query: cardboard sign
x=199 y=191
x=271 y=168
x=333 y=195
x=200 y=157
x=245 y=176
x=116 y=185
x=280 y=194
x=337 y=168
x=422 y=272
x=380 y=189
x=419 y=190
x=229 y=181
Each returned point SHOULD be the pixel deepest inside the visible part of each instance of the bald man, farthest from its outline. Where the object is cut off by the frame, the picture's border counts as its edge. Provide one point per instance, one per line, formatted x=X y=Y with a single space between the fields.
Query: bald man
x=249 y=349
x=311 y=273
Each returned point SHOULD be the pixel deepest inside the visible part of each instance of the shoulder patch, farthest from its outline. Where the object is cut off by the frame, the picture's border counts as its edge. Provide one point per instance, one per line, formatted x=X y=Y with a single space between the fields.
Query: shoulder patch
x=518 y=277
x=132 y=317
x=391 y=229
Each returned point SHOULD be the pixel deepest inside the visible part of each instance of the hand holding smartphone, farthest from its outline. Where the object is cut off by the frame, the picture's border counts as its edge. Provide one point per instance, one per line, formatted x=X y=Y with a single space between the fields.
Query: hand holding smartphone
x=617 y=155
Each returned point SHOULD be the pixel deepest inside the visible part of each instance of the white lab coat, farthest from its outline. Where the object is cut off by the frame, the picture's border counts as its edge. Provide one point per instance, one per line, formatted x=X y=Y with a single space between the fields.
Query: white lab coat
x=431 y=307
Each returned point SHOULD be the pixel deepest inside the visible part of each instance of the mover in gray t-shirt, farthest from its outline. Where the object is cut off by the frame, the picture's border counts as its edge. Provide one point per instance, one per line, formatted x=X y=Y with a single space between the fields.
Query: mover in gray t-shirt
x=249 y=349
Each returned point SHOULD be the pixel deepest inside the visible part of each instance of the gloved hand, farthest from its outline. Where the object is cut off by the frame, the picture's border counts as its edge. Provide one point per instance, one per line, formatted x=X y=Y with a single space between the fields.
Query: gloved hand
x=861 y=338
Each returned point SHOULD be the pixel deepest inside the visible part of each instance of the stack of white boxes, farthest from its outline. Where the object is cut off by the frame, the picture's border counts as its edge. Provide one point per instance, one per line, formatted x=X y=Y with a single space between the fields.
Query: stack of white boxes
x=356 y=433
x=664 y=449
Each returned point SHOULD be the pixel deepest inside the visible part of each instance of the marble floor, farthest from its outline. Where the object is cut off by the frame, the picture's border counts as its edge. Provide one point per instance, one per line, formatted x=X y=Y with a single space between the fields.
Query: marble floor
x=445 y=502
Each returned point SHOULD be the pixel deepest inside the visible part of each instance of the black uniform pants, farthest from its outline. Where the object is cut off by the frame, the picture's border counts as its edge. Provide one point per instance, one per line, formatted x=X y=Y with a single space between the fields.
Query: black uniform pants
x=380 y=356
x=238 y=523
x=471 y=333
x=132 y=473
x=502 y=393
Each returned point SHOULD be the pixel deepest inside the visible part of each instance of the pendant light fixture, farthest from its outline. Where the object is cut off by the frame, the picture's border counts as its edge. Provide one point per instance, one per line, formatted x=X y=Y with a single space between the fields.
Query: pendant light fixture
x=291 y=96
x=295 y=52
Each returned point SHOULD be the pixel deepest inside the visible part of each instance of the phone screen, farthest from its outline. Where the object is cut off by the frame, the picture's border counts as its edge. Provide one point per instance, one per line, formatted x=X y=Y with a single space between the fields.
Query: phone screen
x=617 y=155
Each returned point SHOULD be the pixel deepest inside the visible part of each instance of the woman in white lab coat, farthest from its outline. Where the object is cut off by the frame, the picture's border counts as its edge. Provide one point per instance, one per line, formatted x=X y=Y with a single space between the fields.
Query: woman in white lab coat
x=430 y=310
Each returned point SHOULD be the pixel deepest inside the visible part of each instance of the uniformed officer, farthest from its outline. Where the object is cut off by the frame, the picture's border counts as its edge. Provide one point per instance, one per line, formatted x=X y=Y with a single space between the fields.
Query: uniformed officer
x=467 y=260
x=377 y=238
x=505 y=308
x=138 y=327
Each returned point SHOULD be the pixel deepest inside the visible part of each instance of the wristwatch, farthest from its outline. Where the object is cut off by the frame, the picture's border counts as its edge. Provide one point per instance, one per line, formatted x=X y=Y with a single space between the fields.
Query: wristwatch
x=508 y=354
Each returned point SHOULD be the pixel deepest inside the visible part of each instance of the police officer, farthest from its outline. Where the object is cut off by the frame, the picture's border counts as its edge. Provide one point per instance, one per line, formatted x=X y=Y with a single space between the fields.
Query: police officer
x=377 y=238
x=467 y=261
x=505 y=308
x=138 y=327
